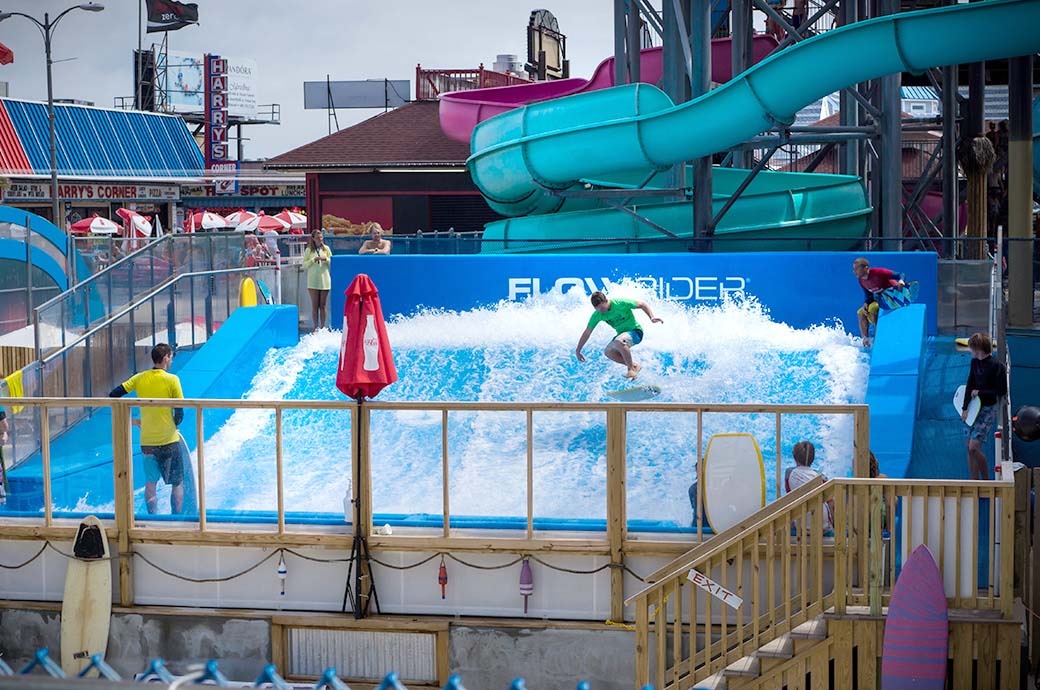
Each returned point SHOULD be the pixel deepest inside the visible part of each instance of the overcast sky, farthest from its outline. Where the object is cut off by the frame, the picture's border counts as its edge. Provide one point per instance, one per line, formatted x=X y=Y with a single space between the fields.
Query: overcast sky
x=293 y=41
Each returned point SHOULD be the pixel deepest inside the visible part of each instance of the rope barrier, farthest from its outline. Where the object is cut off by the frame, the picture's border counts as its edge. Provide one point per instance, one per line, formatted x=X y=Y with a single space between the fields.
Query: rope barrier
x=282 y=551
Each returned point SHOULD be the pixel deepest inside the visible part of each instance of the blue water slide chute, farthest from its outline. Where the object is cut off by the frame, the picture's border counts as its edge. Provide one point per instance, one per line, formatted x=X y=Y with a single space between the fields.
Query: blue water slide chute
x=49 y=255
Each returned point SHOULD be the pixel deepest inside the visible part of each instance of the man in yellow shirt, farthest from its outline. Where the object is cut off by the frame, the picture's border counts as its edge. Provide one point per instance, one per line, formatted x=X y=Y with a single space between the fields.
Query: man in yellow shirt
x=160 y=440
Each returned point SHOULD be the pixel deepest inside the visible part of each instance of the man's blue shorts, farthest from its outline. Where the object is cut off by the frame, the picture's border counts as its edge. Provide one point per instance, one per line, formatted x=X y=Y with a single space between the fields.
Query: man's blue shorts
x=165 y=462
x=980 y=430
x=635 y=336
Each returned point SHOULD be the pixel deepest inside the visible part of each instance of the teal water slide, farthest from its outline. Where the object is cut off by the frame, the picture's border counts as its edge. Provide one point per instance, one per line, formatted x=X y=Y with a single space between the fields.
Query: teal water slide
x=617 y=137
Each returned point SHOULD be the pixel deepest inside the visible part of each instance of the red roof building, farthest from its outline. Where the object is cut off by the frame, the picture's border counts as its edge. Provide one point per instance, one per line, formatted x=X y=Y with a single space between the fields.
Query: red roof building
x=397 y=169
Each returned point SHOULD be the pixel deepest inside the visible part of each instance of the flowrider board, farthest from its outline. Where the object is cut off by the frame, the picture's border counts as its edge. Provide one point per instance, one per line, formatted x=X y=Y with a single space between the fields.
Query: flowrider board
x=636 y=394
x=734 y=480
x=87 y=605
x=973 y=407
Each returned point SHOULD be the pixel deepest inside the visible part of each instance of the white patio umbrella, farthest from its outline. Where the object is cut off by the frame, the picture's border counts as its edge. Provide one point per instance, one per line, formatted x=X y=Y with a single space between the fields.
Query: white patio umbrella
x=95 y=226
x=238 y=217
x=136 y=224
x=263 y=223
x=204 y=220
x=295 y=219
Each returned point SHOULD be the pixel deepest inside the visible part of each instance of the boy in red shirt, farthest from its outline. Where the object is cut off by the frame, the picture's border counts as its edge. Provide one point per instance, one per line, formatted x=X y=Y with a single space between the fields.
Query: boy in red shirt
x=873 y=281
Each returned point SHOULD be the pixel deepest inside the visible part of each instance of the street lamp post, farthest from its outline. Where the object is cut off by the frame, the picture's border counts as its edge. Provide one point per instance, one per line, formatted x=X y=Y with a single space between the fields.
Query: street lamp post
x=46 y=28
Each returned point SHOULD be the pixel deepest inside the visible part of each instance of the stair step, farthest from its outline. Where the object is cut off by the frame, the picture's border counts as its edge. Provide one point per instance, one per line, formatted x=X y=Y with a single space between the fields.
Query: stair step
x=780 y=648
x=715 y=682
x=810 y=630
x=746 y=667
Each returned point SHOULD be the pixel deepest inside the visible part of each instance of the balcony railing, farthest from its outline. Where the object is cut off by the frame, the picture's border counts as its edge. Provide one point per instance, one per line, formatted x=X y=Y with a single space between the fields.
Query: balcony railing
x=431 y=83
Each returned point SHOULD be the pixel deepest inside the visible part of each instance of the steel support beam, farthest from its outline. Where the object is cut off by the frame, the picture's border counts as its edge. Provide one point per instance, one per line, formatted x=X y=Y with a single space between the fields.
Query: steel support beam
x=700 y=83
x=1020 y=192
x=890 y=177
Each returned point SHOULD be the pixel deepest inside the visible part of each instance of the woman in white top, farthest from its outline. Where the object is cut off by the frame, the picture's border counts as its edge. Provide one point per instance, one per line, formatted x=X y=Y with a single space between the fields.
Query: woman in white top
x=316 y=261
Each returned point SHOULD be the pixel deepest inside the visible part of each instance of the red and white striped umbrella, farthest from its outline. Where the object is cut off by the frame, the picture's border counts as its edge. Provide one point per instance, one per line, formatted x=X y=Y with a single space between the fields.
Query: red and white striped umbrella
x=136 y=224
x=204 y=220
x=238 y=217
x=295 y=218
x=95 y=225
x=263 y=223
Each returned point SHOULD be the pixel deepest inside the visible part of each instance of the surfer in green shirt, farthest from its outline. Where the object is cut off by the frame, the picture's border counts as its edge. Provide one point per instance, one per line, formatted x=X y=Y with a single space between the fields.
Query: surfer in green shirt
x=618 y=314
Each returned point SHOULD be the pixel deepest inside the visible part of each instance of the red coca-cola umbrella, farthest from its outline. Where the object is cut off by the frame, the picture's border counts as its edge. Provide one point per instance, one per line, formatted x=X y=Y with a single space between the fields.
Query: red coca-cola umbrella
x=366 y=363
x=366 y=366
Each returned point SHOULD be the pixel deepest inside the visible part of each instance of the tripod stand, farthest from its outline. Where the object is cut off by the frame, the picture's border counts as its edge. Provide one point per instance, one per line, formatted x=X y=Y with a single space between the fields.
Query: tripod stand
x=359 y=568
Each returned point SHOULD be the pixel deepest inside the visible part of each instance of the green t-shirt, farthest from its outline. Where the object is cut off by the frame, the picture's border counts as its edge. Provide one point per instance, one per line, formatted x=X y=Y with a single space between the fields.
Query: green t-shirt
x=619 y=316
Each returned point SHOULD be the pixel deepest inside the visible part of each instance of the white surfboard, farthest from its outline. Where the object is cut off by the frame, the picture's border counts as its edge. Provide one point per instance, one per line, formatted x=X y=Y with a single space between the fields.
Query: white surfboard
x=636 y=393
x=973 y=407
x=734 y=480
x=86 y=607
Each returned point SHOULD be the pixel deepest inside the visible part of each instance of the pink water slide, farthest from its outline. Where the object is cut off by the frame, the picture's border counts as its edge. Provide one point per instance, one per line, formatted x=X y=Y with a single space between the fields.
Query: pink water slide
x=461 y=111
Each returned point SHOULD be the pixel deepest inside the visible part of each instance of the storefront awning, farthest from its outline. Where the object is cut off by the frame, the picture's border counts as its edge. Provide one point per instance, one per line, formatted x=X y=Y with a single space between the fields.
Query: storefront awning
x=96 y=143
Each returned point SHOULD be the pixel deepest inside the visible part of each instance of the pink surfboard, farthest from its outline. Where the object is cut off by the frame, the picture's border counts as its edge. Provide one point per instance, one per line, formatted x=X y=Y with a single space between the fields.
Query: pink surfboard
x=917 y=629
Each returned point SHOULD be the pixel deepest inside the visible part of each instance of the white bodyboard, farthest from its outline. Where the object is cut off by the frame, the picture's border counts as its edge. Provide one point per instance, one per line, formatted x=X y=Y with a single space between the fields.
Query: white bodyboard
x=973 y=407
x=734 y=480
x=86 y=608
x=636 y=393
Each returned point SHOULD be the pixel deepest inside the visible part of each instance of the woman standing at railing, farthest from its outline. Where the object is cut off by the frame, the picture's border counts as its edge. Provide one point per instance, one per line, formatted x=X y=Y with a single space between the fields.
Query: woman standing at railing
x=316 y=259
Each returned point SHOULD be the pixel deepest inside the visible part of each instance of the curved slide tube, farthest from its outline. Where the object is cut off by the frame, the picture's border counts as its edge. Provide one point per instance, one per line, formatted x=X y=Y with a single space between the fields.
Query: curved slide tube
x=461 y=111
x=520 y=155
x=803 y=206
x=53 y=240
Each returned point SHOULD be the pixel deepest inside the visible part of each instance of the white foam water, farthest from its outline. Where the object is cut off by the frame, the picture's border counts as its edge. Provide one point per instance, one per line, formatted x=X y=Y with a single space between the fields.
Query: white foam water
x=731 y=352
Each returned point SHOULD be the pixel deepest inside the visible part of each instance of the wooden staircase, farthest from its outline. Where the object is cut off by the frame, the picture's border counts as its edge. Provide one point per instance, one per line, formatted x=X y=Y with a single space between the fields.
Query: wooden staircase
x=770 y=657
x=780 y=600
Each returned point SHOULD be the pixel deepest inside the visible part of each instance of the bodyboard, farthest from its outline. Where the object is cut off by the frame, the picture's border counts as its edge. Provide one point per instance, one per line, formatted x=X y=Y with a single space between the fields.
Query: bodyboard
x=973 y=407
x=914 y=651
x=247 y=293
x=893 y=298
x=86 y=607
x=636 y=393
x=963 y=342
x=734 y=480
x=264 y=292
x=190 y=506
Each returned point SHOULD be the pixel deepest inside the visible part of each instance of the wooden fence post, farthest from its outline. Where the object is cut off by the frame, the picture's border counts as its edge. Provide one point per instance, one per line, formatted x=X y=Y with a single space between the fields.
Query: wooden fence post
x=617 y=521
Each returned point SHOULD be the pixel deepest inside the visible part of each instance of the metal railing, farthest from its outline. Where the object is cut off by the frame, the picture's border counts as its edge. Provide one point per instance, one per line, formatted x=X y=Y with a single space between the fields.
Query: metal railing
x=74 y=311
x=183 y=311
x=431 y=83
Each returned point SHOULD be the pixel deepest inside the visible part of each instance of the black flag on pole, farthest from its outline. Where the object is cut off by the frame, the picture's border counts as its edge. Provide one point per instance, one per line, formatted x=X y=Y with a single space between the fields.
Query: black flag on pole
x=170 y=15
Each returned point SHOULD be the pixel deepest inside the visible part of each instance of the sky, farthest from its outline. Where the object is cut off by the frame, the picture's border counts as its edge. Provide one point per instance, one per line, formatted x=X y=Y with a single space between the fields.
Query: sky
x=292 y=41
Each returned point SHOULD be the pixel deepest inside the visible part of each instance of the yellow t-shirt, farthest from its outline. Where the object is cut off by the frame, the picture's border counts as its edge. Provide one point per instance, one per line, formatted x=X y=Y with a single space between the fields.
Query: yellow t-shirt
x=318 y=276
x=157 y=427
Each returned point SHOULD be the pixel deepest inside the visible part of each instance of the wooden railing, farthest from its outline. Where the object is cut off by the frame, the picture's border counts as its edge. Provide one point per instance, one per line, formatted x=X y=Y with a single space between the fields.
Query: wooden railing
x=431 y=83
x=725 y=599
x=613 y=541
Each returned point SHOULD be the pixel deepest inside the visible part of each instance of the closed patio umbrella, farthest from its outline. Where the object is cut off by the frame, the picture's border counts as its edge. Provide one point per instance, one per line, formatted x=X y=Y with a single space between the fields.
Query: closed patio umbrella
x=366 y=366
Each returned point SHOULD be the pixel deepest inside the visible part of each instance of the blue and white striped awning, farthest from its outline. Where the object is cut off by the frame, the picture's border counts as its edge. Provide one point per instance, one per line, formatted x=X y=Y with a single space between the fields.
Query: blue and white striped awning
x=95 y=142
x=918 y=93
